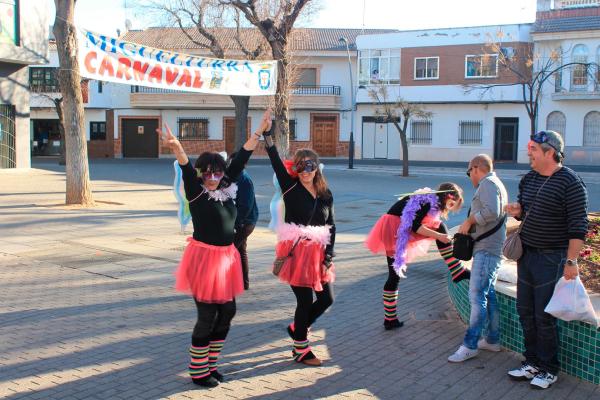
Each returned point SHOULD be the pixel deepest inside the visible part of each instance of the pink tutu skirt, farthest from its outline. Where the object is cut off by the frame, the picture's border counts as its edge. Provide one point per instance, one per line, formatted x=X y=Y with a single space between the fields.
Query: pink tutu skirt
x=383 y=236
x=212 y=274
x=305 y=268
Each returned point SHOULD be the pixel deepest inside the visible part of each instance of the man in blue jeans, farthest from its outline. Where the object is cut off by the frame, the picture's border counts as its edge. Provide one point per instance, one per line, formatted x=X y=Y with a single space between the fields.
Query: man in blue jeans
x=552 y=205
x=486 y=216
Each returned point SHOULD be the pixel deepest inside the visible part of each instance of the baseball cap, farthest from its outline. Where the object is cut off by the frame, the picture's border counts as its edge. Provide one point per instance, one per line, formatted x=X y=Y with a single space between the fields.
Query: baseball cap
x=552 y=139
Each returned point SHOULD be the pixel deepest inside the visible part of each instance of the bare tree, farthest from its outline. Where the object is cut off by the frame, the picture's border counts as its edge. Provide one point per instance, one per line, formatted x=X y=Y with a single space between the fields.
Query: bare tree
x=398 y=112
x=529 y=70
x=275 y=20
x=78 y=188
x=205 y=16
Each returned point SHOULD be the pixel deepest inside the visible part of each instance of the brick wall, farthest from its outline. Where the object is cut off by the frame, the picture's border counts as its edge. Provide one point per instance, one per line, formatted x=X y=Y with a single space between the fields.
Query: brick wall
x=104 y=148
x=452 y=64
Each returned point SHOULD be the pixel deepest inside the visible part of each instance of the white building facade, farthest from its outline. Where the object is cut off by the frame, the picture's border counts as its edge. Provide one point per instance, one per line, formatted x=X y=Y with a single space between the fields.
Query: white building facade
x=121 y=119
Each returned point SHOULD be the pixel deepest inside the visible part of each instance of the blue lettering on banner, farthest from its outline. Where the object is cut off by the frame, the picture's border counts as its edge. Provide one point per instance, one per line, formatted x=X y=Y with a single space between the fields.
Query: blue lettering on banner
x=127 y=52
x=188 y=62
x=200 y=62
x=232 y=66
x=113 y=42
x=175 y=58
x=247 y=65
x=141 y=51
x=91 y=38
x=218 y=64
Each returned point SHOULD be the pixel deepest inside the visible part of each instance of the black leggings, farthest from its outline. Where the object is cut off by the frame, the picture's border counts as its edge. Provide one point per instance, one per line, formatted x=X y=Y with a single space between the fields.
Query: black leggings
x=214 y=321
x=308 y=311
x=393 y=279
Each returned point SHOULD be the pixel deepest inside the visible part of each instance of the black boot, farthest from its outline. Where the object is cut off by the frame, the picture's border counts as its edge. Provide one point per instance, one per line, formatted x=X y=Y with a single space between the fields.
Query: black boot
x=208 y=381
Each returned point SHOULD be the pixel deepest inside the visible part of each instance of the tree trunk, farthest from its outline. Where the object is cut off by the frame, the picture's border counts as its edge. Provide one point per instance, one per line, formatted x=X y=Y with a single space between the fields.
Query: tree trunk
x=61 y=129
x=282 y=100
x=241 y=104
x=78 y=188
x=404 y=145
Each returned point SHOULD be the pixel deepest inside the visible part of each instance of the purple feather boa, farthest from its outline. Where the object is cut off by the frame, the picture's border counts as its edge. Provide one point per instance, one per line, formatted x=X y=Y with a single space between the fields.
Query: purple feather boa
x=414 y=204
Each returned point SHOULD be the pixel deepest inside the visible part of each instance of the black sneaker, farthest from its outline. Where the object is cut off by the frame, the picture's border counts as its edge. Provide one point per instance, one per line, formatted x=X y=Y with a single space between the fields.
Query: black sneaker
x=217 y=375
x=526 y=373
x=208 y=381
x=392 y=324
x=543 y=380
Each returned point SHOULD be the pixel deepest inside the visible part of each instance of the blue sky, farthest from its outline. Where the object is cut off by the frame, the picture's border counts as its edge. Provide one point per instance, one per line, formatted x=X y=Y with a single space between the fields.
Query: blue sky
x=109 y=15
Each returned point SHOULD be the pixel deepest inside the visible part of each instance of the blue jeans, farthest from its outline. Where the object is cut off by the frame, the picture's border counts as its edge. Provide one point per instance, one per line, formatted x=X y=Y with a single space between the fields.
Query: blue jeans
x=482 y=297
x=538 y=271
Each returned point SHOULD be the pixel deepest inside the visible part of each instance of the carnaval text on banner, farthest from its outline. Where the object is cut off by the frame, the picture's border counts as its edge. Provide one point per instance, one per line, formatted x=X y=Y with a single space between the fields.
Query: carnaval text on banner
x=114 y=60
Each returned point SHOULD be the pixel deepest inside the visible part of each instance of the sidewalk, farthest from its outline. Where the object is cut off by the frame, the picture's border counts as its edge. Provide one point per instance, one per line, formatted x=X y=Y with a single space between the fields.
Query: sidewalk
x=88 y=311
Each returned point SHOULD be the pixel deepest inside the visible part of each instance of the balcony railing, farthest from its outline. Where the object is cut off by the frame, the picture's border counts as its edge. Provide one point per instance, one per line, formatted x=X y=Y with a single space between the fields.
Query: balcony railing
x=317 y=90
x=300 y=90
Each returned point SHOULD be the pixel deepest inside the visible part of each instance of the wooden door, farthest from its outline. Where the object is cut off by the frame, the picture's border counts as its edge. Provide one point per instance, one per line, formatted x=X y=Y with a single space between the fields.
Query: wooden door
x=325 y=134
x=229 y=133
x=139 y=137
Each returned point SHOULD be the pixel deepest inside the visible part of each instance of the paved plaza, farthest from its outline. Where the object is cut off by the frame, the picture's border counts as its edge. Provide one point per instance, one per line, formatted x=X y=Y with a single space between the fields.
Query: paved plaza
x=87 y=309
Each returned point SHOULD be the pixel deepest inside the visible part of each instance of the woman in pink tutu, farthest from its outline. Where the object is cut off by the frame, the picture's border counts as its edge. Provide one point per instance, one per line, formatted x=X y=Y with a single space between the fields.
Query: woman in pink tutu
x=210 y=269
x=406 y=232
x=307 y=235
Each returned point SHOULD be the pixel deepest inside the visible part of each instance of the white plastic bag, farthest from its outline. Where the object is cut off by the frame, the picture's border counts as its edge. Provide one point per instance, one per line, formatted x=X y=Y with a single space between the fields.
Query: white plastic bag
x=570 y=302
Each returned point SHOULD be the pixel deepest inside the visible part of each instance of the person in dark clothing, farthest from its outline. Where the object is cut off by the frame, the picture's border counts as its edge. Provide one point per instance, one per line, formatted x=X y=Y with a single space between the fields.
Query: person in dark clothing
x=308 y=236
x=406 y=232
x=552 y=204
x=210 y=269
x=247 y=216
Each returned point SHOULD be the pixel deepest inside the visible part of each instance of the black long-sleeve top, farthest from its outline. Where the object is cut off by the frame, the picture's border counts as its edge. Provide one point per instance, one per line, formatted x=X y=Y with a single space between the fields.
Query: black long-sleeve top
x=213 y=220
x=299 y=202
x=398 y=207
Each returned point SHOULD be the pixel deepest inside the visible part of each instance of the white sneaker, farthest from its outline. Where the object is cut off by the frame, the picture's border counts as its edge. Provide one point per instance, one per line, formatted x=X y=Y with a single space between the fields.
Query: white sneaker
x=526 y=372
x=462 y=354
x=483 y=344
x=543 y=380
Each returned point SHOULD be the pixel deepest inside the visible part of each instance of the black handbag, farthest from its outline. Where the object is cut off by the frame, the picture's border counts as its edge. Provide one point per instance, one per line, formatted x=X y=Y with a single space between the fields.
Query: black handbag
x=463 y=244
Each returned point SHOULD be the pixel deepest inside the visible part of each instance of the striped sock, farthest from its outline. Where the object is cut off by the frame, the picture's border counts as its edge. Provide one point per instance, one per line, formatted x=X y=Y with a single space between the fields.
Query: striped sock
x=390 y=299
x=301 y=349
x=457 y=271
x=199 y=362
x=214 y=350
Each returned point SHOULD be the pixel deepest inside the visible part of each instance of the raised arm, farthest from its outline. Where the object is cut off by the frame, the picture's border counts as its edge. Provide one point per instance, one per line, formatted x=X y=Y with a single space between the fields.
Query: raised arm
x=284 y=179
x=188 y=173
x=237 y=164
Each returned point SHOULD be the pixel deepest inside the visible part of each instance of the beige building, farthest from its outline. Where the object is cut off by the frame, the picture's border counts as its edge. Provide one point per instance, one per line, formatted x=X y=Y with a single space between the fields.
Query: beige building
x=23 y=42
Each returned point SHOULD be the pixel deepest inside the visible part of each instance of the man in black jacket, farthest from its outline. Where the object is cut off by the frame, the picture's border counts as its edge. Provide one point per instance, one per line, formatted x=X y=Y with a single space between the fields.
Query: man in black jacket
x=246 y=218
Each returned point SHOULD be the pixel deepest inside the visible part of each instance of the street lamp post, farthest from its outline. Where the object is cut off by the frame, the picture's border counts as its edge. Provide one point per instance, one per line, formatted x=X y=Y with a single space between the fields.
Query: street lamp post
x=353 y=106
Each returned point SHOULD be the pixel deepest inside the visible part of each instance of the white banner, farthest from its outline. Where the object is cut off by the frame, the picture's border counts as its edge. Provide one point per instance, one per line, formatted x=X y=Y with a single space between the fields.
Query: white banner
x=113 y=60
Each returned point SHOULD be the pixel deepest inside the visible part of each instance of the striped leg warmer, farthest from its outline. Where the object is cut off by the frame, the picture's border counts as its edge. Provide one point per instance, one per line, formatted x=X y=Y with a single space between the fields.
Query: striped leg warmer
x=390 y=299
x=199 y=362
x=301 y=350
x=214 y=350
x=457 y=271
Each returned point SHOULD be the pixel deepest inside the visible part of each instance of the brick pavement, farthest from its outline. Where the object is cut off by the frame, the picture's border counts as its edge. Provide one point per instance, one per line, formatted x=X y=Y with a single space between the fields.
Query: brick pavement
x=87 y=311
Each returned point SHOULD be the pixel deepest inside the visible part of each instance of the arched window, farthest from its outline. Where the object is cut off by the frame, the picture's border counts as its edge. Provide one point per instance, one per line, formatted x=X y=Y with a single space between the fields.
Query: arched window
x=579 y=73
x=556 y=121
x=598 y=69
x=591 y=129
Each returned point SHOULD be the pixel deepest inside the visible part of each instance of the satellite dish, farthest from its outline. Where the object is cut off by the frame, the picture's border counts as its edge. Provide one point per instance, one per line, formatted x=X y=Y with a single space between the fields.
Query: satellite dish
x=128 y=24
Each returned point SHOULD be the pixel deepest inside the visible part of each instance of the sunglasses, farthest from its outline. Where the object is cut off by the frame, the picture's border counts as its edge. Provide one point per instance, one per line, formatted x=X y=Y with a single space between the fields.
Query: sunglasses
x=305 y=166
x=211 y=176
x=541 y=137
x=470 y=169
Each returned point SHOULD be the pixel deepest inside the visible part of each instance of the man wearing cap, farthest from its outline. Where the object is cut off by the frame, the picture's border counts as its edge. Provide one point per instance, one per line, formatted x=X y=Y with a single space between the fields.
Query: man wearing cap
x=553 y=198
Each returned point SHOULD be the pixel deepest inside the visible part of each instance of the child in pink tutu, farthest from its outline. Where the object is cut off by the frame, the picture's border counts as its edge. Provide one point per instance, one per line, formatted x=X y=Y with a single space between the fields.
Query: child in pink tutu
x=406 y=232
x=307 y=234
x=210 y=269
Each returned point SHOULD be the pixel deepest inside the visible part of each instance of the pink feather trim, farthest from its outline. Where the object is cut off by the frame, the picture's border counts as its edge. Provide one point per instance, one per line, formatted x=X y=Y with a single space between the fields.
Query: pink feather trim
x=291 y=231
